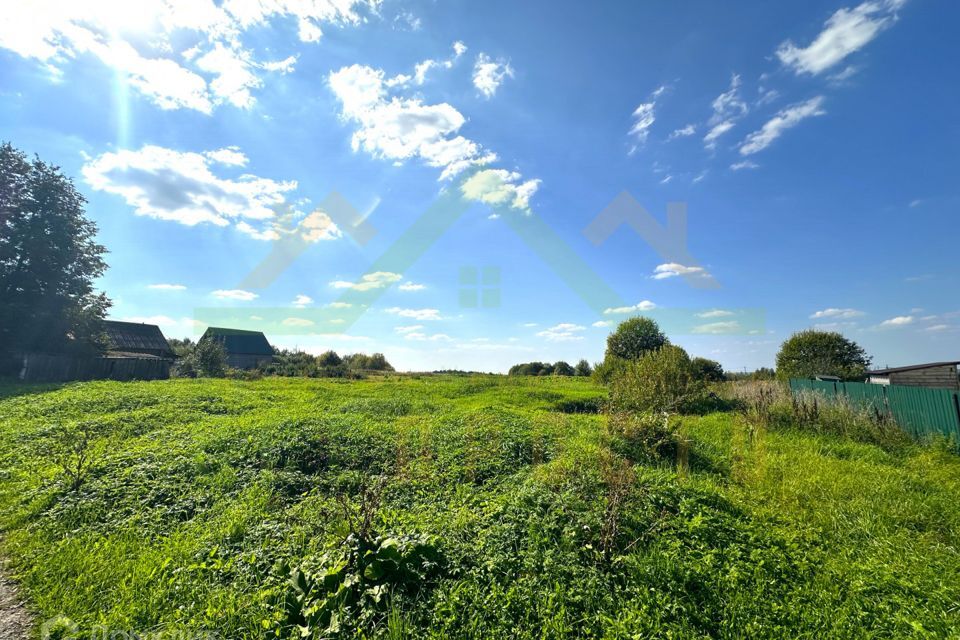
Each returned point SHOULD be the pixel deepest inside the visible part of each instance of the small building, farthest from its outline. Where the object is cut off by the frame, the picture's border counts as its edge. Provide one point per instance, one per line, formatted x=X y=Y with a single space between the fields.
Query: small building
x=134 y=338
x=934 y=375
x=244 y=349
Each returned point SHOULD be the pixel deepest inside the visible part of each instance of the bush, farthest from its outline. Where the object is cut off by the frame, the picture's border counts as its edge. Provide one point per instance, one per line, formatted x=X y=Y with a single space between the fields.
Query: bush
x=207 y=359
x=810 y=353
x=661 y=382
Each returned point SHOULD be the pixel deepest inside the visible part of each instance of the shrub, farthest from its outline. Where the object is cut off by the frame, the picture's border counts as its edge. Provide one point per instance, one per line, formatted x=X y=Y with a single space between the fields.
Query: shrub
x=207 y=359
x=531 y=369
x=809 y=353
x=661 y=382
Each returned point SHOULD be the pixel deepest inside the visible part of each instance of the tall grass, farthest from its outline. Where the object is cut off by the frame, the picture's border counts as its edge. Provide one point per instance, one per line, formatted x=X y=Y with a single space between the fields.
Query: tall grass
x=469 y=507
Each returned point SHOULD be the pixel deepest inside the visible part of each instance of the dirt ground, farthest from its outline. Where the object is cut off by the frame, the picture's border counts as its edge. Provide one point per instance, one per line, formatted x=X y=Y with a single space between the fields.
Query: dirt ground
x=15 y=620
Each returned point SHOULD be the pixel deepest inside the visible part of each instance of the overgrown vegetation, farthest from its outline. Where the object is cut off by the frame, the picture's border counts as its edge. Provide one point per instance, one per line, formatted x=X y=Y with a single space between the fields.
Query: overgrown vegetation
x=469 y=507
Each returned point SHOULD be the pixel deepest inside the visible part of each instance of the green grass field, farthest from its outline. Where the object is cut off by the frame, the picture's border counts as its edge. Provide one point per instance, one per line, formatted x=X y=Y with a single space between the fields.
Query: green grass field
x=458 y=507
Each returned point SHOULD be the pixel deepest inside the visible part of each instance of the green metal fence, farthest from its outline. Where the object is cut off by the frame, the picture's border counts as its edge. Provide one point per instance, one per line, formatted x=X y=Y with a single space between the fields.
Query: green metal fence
x=920 y=411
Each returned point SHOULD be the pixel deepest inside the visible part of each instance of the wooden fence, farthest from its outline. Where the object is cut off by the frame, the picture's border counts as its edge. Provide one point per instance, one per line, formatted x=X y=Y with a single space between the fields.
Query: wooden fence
x=920 y=411
x=41 y=367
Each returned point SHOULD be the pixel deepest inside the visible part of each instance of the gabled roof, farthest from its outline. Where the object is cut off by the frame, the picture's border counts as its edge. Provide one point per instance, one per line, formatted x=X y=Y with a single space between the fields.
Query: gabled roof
x=135 y=337
x=239 y=341
x=928 y=365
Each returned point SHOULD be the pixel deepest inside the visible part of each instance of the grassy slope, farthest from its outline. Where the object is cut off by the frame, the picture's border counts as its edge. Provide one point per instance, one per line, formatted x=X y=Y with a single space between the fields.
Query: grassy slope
x=203 y=487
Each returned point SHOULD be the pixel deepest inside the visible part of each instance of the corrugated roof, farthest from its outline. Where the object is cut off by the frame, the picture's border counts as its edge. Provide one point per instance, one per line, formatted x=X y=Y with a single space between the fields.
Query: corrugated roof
x=240 y=341
x=928 y=365
x=136 y=337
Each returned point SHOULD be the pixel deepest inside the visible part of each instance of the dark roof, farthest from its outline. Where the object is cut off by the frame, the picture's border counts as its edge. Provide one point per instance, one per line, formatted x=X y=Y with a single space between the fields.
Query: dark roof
x=134 y=337
x=239 y=341
x=928 y=365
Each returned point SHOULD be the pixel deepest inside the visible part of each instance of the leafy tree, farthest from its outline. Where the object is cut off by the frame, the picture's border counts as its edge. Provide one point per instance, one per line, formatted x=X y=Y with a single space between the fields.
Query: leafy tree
x=708 y=370
x=562 y=368
x=635 y=337
x=583 y=368
x=48 y=261
x=329 y=359
x=811 y=352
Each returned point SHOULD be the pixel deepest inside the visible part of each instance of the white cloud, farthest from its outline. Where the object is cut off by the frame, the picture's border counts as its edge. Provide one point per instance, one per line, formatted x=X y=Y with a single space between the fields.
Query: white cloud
x=421 y=69
x=744 y=164
x=231 y=156
x=234 y=294
x=601 y=323
x=785 y=119
x=234 y=74
x=284 y=66
x=167 y=287
x=898 y=321
x=563 y=332
x=643 y=305
x=489 y=74
x=728 y=107
x=375 y=280
x=845 y=32
x=182 y=187
x=833 y=312
x=297 y=322
x=499 y=187
x=412 y=286
x=710 y=140
x=715 y=313
x=302 y=300
x=683 y=132
x=674 y=269
x=57 y=32
x=408 y=328
x=339 y=305
x=530 y=324
x=416 y=314
x=730 y=326
x=436 y=337
x=937 y=327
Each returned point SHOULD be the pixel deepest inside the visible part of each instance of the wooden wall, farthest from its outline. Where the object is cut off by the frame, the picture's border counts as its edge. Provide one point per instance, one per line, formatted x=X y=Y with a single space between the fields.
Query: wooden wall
x=944 y=377
x=40 y=367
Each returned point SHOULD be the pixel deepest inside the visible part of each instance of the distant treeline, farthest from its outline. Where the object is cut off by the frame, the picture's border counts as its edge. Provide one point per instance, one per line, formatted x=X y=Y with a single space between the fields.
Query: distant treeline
x=559 y=368
x=328 y=364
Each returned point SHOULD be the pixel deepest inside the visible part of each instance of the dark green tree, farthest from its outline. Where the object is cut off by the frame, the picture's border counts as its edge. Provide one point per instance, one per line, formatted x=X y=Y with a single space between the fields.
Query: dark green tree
x=635 y=337
x=583 y=368
x=811 y=352
x=562 y=368
x=329 y=359
x=708 y=370
x=48 y=261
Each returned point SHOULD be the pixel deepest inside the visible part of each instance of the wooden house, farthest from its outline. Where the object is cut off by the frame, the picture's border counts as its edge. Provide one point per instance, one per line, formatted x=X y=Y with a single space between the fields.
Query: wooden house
x=244 y=349
x=138 y=339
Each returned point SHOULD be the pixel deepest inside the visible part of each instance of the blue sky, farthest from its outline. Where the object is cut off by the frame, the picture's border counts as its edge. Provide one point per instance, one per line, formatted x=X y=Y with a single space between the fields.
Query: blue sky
x=813 y=144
